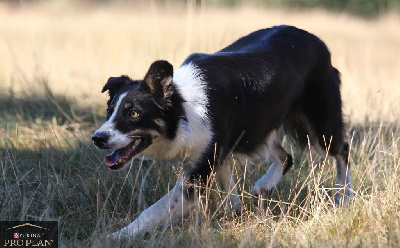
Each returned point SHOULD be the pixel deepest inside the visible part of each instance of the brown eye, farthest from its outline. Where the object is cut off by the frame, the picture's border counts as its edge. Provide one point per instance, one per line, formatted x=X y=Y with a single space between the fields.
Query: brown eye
x=134 y=114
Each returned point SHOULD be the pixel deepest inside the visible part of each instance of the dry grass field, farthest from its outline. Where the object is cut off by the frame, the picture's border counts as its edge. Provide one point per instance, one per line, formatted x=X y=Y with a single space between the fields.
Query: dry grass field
x=55 y=58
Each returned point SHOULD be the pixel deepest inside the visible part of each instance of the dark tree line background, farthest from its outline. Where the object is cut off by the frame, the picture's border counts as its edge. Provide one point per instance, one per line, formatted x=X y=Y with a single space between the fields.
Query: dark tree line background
x=367 y=8
x=358 y=7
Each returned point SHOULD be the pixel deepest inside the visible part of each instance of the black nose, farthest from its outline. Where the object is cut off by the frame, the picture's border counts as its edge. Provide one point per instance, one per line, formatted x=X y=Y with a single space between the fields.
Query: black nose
x=100 y=139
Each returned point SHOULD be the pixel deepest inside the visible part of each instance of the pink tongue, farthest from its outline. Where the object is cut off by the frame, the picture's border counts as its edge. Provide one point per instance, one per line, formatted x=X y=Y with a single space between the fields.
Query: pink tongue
x=112 y=158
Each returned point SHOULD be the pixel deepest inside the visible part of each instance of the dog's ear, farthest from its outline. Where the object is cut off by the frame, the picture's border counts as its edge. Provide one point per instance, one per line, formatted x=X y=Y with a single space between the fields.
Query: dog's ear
x=159 y=79
x=115 y=83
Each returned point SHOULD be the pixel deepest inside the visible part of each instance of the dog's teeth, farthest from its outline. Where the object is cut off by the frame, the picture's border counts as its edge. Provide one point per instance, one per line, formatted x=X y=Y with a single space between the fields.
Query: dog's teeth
x=136 y=143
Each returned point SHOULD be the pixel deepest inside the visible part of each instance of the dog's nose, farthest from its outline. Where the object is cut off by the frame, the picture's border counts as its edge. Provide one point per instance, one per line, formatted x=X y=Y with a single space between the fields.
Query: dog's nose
x=100 y=139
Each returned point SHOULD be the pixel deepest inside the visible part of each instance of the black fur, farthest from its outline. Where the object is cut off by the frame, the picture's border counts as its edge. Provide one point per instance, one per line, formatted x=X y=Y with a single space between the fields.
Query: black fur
x=281 y=76
x=272 y=77
x=288 y=164
x=234 y=101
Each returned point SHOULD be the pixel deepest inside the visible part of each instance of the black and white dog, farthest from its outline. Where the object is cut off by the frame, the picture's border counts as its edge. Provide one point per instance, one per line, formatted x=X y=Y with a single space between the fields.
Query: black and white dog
x=228 y=103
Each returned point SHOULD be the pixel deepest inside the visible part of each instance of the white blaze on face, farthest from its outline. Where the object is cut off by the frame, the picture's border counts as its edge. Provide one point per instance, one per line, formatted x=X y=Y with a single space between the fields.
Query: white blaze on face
x=116 y=138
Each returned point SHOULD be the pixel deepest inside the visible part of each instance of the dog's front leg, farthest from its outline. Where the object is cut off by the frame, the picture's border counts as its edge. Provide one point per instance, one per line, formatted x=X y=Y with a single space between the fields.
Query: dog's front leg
x=172 y=206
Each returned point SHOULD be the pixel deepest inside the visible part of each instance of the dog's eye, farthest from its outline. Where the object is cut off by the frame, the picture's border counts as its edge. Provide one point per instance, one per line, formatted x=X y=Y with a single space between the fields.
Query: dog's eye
x=134 y=114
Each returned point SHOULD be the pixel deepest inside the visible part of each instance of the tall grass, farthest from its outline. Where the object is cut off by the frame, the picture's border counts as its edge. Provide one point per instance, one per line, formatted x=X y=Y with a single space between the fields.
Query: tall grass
x=56 y=58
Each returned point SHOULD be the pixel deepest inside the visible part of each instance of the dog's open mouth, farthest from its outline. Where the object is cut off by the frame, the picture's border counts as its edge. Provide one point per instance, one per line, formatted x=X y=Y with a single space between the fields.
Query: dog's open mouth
x=119 y=157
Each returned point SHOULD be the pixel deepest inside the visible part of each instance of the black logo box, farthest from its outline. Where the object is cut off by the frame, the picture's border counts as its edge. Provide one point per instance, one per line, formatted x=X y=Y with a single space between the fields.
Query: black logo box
x=29 y=233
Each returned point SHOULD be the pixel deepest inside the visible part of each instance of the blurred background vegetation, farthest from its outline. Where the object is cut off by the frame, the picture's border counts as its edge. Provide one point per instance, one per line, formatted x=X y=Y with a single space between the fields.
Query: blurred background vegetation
x=366 y=8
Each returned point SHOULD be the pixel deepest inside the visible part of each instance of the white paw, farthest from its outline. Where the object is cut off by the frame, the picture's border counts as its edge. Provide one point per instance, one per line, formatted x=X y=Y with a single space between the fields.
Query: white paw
x=115 y=235
x=130 y=230
x=258 y=190
x=268 y=182
x=343 y=195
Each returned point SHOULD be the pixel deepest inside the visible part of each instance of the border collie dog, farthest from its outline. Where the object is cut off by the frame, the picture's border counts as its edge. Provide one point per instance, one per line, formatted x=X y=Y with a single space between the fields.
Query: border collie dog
x=229 y=103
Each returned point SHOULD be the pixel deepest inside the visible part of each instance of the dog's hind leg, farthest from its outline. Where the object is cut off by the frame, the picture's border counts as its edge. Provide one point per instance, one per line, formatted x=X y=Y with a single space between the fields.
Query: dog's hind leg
x=173 y=205
x=227 y=183
x=344 y=190
x=323 y=110
x=281 y=163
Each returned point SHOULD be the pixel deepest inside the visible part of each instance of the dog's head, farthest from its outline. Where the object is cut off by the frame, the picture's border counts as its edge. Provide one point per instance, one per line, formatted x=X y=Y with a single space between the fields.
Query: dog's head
x=139 y=113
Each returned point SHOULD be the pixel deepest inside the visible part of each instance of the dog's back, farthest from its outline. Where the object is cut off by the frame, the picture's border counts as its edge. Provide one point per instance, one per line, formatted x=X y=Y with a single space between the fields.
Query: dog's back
x=275 y=76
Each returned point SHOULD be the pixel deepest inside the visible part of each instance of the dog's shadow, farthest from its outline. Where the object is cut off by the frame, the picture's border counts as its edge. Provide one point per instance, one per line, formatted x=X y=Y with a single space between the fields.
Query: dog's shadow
x=44 y=105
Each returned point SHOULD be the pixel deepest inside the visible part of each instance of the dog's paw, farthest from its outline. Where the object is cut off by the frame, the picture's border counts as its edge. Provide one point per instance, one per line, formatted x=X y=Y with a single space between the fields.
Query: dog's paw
x=267 y=183
x=237 y=206
x=258 y=191
x=115 y=235
x=264 y=186
x=126 y=233
x=343 y=195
